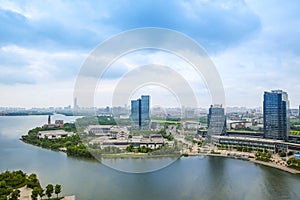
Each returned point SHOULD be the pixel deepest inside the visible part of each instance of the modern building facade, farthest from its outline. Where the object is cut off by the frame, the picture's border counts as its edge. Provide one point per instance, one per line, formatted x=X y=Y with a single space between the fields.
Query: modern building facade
x=275 y=111
x=140 y=113
x=216 y=121
x=255 y=143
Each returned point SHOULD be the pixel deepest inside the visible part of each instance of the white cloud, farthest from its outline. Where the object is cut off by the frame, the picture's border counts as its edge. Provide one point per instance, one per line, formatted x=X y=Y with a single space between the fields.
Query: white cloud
x=44 y=43
x=38 y=66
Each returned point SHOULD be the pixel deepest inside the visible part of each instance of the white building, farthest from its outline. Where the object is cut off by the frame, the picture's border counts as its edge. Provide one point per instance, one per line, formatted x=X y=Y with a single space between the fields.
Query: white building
x=54 y=134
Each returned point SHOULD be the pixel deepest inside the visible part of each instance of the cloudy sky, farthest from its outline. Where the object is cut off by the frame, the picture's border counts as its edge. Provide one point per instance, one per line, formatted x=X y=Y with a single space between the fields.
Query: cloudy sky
x=255 y=46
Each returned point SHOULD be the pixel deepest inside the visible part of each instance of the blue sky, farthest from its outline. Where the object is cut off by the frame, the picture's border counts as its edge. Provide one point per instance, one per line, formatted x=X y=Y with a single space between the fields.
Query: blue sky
x=255 y=45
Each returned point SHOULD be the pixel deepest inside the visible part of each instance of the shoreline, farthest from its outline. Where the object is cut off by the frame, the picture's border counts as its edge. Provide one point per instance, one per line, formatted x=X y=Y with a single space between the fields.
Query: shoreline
x=143 y=156
x=138 y=155
x=252 y=160
x=116 y=155
x=283 y=168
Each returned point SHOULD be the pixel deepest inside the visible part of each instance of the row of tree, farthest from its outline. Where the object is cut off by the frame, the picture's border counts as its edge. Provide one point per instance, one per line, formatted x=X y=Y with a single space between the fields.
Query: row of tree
x=50 y=189
x=78 y=151
x=10 y=182
x=294 y=163
x=141 y=149
x=263 y=156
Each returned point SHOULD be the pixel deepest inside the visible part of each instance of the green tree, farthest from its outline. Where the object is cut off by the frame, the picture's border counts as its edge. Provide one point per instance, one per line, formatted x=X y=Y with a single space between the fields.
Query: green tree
x=57 y=189
x=129 y=148
x=49 y=190
x=15 y=195
x=41 y=192
x=35 y=193
x=32 y=181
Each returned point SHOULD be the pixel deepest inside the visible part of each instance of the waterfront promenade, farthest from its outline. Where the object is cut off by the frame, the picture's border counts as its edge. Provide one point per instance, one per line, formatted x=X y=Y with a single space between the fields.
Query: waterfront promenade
x=211 y=150
x=275 y=162
x=272 y=164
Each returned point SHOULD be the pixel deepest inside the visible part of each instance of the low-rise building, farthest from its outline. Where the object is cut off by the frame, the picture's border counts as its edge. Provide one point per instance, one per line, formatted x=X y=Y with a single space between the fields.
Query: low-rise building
x=191 y=125
x=98 y=129
x=152 y=142
x=256 y=143
x=59 y=123
x=54 y=134
x=107 y=130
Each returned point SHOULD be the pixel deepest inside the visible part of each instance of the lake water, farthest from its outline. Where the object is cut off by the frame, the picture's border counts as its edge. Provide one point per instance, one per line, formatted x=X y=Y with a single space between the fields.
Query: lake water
x=187 y=178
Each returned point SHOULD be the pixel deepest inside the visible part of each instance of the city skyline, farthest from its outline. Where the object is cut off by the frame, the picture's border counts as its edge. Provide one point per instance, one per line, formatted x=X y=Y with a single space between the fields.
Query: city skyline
x=252 y=48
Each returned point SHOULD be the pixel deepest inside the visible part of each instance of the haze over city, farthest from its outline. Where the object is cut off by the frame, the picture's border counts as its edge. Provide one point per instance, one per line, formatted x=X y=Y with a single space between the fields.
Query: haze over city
x=44 y=44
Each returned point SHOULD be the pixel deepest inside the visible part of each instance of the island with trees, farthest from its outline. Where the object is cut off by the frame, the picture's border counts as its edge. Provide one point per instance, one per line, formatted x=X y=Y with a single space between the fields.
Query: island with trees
x=72 y=145
x=119 y=141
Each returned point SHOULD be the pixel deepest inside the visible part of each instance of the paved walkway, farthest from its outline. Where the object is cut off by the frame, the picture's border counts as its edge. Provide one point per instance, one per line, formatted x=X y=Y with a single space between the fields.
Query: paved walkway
x=69 y=198
x=278 y=165
x=25 y=193
x=293 y=171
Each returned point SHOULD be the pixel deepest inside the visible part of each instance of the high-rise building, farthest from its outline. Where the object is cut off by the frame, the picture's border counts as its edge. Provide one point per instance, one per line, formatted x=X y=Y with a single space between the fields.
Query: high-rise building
x=135 y=113
x=216 y=121
x=275 y=111
x=75 y=106
x=140 y=113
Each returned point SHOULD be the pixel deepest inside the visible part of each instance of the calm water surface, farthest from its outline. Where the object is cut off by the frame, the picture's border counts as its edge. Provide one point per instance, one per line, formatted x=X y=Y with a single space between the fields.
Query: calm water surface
x=187 y=178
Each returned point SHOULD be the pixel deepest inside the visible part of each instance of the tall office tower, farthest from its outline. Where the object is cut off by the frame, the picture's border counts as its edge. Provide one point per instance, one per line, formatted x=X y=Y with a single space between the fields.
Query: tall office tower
x=216 y=121
x=75 y=105
x=135 y=114
x=140 y=113
x=275 y=110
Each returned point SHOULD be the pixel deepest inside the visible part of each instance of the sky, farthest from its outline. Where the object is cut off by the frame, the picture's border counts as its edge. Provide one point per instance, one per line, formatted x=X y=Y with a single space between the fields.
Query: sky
x=254 y=45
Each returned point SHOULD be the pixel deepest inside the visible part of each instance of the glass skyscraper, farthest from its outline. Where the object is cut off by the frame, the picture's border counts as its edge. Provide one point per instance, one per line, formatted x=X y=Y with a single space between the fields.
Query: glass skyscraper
x=140 y=113
x=275 y=110
x=216 y=121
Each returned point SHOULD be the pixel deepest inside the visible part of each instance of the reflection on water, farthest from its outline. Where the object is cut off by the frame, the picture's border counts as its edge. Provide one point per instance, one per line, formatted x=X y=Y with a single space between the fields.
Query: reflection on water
x=138 y=165
x=187 y=178
x=280 y=185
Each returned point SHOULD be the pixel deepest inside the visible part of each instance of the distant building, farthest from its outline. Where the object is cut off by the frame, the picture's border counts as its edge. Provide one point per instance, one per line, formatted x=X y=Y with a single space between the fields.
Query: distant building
x=216 y=121
x=235 y=124
x=275 y=111
x=58 y=123
x=140 y=113
x=191 y=125
x=75 y=106
x=49 y=119
x=294 y=113
x=106 y=130
x=54 y=134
